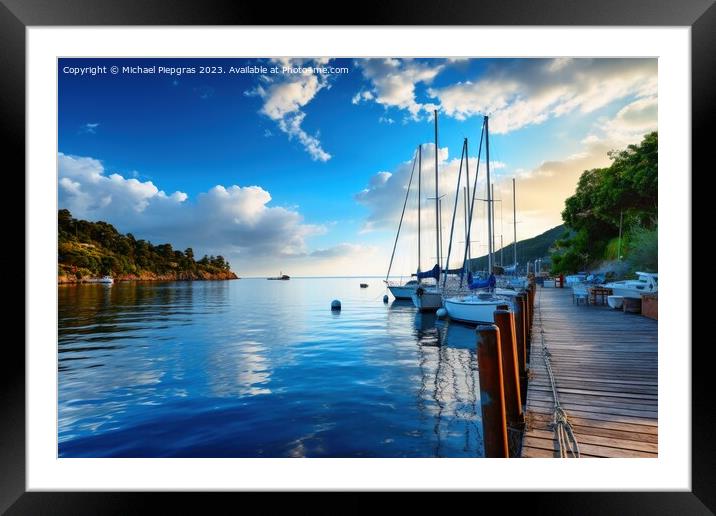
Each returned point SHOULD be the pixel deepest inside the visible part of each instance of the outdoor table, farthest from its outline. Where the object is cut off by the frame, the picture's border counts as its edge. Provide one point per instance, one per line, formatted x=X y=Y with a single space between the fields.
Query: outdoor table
x=599 y=292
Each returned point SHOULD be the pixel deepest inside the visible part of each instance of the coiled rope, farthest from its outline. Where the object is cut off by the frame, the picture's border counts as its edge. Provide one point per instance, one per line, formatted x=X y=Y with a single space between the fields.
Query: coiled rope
x=567 y=441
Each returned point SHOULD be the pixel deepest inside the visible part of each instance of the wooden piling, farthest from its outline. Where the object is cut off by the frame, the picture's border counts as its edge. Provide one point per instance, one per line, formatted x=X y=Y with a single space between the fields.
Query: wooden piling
x=492 y=395
x=505 y=321
x=531 y=300
x=521 y=342
x=527 y=317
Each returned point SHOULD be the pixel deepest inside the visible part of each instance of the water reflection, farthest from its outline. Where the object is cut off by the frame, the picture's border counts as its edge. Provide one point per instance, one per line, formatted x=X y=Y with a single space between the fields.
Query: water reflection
x=255 y=368
x=448 y=365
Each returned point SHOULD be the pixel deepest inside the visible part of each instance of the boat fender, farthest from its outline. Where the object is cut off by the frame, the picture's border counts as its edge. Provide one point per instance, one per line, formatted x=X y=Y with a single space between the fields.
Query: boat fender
x=419 y=291
x=441 y=312
x=385 y=298
x=335 y=305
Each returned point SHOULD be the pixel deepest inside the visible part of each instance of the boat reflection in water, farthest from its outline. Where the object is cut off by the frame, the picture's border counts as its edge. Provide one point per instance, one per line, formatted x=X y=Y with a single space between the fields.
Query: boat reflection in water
x=232 y=369
x=447 y=395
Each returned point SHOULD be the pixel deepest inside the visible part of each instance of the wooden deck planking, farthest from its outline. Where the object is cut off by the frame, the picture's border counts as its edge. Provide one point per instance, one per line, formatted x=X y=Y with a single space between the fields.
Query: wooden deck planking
x=605 y=366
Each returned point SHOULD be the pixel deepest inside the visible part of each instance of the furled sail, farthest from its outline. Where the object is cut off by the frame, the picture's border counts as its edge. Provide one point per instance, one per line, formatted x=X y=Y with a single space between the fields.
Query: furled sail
x=478 y=283
x=432 y=273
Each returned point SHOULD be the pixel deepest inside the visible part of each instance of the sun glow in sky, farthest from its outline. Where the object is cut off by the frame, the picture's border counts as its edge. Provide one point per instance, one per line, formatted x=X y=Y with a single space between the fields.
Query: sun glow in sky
x=301 y=165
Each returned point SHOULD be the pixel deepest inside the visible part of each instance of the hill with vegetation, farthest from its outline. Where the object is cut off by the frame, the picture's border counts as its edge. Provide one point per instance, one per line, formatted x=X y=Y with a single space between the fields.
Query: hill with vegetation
x=528 y=250
x=623 y=195
x=92 y=249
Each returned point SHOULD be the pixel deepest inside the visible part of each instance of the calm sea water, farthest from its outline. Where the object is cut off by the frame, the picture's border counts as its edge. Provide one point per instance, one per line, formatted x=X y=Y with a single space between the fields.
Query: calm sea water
x=257 y=368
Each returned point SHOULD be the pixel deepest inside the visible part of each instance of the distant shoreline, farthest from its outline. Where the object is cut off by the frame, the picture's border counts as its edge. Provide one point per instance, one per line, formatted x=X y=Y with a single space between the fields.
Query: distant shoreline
x=201 y=276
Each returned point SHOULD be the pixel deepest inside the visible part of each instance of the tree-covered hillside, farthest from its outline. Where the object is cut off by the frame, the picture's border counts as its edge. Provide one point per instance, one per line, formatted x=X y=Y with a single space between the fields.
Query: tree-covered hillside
x=626 y=194
x=528 y=250
x=87 y=249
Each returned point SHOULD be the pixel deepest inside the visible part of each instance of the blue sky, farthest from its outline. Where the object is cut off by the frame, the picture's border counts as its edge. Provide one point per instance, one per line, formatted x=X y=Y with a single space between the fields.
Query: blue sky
x=305 y=170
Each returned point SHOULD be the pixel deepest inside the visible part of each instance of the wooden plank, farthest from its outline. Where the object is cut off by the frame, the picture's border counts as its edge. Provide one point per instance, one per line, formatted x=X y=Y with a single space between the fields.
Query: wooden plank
x=622 y=418
x=590 y=449
x=605 y=364
x=603 y=432
x=537 y=418
x=602 y=441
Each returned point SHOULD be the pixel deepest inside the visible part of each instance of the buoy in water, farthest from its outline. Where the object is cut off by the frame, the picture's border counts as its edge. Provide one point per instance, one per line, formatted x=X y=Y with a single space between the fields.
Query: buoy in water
x=335 y=305
x=441 y=312
x=385 y=298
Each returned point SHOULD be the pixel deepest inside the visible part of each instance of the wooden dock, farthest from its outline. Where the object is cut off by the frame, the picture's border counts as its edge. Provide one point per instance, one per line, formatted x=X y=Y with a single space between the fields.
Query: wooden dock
x=605 y=366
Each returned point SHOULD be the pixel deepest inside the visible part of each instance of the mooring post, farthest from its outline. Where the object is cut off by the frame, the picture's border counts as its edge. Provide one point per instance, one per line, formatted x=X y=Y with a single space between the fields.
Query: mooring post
x=521 y=342
x=492 y=395
x=528 y=328
x=531 y=298
x=505 y=321
x=527 y=317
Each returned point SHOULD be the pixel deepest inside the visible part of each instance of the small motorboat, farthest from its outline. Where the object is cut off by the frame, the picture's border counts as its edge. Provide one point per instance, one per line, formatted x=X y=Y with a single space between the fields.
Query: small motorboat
x=107 y=280
x=647 y=283
x=363 y=285
x=281 y=276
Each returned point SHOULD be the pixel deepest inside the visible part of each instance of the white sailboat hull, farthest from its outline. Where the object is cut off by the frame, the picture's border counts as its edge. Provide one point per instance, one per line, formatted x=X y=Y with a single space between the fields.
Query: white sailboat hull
x=402 y=292
x=473 y=310
x=430 y=300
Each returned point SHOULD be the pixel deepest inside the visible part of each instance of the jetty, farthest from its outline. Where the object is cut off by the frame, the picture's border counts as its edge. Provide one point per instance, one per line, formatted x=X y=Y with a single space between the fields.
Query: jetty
x=604 y=367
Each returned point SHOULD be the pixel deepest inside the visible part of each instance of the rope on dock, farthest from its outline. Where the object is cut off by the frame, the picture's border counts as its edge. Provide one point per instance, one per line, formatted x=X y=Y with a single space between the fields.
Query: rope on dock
x=567 y=441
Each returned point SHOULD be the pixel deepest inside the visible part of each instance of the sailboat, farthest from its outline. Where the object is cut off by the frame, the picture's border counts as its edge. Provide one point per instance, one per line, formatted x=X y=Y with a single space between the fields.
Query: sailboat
x=479 y=307
x=431 y=298
x=406 y=290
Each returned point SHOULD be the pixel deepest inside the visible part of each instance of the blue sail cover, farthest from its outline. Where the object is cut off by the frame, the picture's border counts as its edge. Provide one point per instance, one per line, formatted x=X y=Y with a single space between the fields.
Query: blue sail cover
x=478 y=283
x=432 y=273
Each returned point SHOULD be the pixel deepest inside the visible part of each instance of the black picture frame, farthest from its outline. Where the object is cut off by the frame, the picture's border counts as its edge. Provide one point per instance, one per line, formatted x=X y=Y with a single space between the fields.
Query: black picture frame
x=17 y=15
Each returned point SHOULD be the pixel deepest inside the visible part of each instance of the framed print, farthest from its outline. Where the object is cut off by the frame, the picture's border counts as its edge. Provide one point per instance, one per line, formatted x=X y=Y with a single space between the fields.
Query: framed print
x=418 y=253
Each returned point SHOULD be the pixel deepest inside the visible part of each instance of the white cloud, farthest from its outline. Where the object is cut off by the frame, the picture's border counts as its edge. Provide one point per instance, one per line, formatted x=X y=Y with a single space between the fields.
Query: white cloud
x=362 y=96
x=536 y=90
x=385 y=193
x=284 y=98
x=231 y=220
x=393 y=82
x=90 y=128
x=514 y=95
x=630 y=123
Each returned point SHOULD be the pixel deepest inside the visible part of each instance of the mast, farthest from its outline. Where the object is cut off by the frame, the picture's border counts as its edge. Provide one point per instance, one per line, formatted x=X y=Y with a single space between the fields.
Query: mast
x=514 y=222
x=440 y=210
x=454 y=213
x=420 y=166
x=472 y=200
x=467 y=180
x=400 y=224
x=502 y=252
x=465 y=196
x=494 y=223
x=437 y=199
x=489 y=198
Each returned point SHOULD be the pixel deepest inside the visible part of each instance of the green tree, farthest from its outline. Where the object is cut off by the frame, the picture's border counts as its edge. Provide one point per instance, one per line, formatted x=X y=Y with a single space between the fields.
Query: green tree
x=624 y=193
